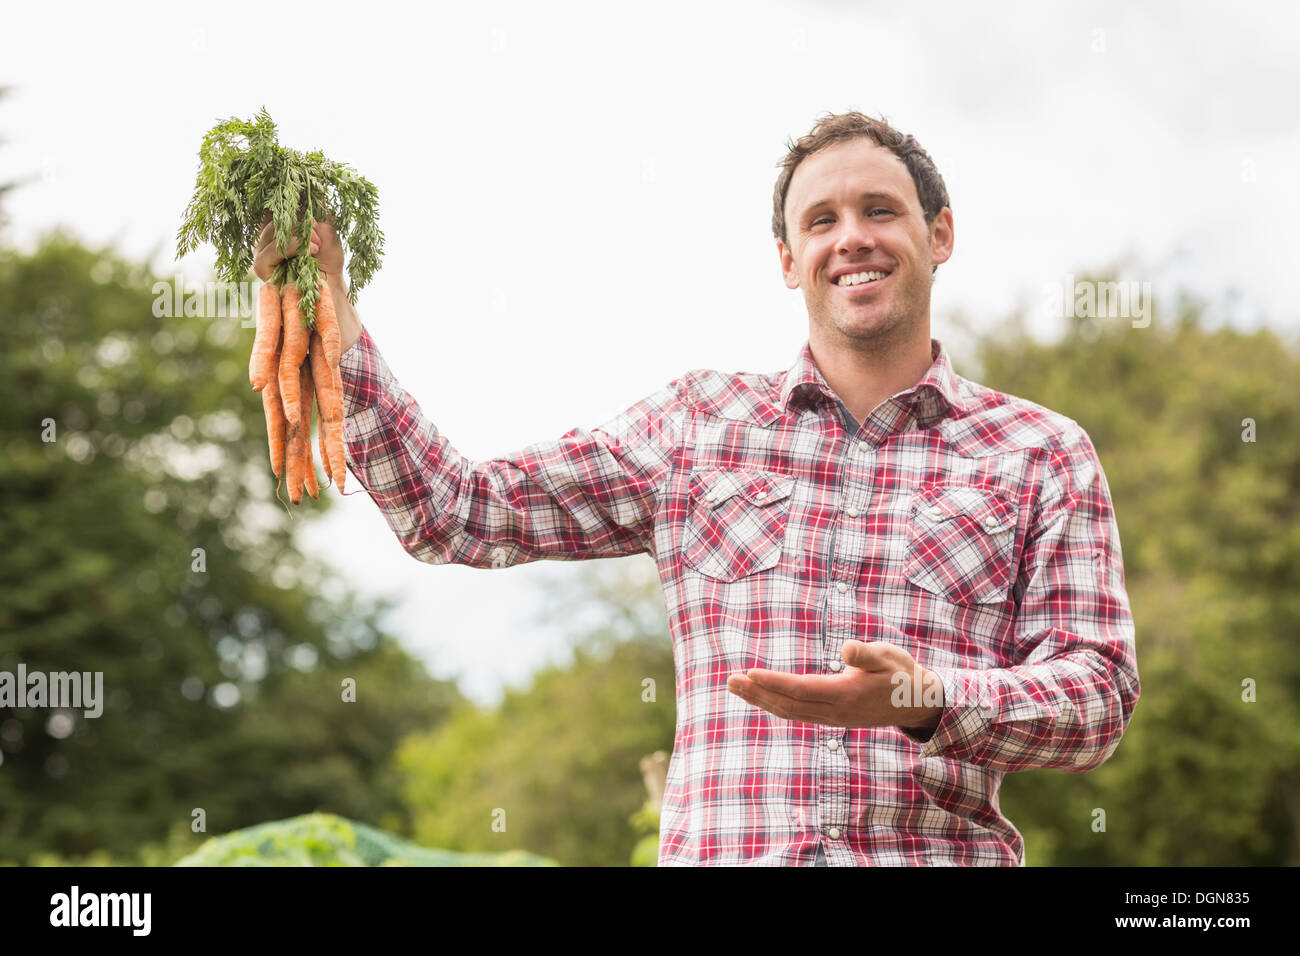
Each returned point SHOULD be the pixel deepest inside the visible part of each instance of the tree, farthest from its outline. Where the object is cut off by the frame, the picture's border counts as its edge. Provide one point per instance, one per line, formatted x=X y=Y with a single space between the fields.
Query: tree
x=143 y=541
x=1211 y=542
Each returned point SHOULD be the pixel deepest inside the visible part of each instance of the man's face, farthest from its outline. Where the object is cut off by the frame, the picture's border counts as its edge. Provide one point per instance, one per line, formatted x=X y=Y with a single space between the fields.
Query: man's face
x=853 y=208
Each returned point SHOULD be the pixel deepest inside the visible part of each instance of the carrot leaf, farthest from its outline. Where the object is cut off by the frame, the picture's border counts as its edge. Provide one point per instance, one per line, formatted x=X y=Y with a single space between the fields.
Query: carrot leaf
x=246 y=176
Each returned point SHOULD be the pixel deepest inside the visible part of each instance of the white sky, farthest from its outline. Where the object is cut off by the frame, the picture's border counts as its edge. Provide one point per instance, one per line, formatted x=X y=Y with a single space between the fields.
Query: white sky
x=605 y=176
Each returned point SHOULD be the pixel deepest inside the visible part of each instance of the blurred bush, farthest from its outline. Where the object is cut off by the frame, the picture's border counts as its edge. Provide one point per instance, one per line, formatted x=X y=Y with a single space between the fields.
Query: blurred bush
x=321 y=839
x=144 y=541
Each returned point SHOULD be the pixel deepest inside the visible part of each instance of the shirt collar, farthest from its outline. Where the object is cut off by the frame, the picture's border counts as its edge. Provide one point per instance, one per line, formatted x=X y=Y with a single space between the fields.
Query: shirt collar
x=936 y=392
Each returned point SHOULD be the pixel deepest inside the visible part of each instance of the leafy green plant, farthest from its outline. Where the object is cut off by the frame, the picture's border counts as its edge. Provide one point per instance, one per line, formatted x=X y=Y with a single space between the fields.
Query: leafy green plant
x=323 y=839
x=246 y=177
x=646 y=822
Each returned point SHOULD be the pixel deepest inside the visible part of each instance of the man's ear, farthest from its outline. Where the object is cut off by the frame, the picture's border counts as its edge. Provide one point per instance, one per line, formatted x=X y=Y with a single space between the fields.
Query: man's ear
x=789 y=273
x=941 y=237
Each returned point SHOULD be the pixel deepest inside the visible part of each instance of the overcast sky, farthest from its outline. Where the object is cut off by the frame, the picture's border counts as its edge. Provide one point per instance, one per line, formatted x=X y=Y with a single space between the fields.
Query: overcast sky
x=577 y=197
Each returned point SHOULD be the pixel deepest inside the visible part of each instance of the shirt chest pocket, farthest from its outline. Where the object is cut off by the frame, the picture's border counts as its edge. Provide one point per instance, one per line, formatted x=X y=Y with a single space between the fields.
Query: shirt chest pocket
x=961 y=544
x=736 y=521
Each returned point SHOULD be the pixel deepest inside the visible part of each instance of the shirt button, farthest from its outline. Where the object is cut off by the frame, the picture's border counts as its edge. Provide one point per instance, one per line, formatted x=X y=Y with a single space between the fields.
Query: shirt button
x=832 y=744
x=711 y=497
x=936 y=513
x=761 y=494
x=864 y=446
x=837 y=665
x=990 y=522
x=833 y=833
x=841 y=587
x=852 y=512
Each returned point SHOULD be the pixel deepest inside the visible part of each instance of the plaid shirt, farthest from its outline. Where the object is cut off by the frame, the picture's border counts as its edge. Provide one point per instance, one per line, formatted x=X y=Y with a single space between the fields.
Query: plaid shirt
x=971 y=527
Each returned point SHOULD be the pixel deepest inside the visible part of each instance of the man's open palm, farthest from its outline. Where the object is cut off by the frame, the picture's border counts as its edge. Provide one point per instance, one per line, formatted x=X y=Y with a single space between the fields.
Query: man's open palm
x=865 y=694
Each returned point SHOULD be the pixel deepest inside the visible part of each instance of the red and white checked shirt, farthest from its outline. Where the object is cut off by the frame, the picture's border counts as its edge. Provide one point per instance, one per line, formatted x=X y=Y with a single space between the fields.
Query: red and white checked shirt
x=971 y=527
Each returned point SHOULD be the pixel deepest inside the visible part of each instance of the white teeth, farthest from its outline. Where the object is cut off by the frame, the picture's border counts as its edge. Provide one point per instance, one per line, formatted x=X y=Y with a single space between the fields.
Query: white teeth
x=858 y=278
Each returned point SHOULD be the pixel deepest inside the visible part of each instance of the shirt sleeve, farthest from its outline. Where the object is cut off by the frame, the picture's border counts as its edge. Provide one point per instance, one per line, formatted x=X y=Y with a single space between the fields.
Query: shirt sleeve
x=1067 y=700
x=592 y=493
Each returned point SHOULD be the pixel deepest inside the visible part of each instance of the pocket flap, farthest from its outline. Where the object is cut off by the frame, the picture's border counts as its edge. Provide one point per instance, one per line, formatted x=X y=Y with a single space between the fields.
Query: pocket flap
x=989 y=509
x=713 y=486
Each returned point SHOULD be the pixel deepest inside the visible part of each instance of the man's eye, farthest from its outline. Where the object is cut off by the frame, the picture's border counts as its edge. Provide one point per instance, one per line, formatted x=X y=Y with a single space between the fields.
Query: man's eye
x=887 y=212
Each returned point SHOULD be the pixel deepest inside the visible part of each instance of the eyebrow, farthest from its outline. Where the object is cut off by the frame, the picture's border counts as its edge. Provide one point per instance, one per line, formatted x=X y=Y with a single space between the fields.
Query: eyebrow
x=872 y=194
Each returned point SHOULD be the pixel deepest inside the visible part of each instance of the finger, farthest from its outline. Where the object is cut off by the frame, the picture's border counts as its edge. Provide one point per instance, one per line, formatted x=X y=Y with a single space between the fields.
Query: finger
x=266 y=239
x=779 y=704
x=876 y=656
x=813 y=688
x=274 y=255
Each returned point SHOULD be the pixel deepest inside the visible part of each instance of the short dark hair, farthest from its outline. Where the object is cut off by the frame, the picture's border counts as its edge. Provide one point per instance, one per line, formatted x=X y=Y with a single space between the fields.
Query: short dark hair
x=833 y=129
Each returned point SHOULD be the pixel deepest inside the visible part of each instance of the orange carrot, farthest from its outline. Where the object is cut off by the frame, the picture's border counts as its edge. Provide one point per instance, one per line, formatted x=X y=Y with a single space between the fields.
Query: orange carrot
x=292 y=355
x=294 y=465
x=307 y=392
x=320 y=375
x=266 y=340
x=329 y=411
x=327 y=324
x=340 y=456
x=275 y=420
x=322 y=437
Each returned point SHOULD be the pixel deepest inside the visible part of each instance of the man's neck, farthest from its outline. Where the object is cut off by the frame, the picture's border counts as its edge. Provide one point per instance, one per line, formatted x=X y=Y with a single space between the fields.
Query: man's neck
x=865 y=377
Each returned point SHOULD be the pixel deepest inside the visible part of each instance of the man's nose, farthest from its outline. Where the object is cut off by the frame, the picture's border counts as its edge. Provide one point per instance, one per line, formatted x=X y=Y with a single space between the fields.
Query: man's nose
x=856 y=234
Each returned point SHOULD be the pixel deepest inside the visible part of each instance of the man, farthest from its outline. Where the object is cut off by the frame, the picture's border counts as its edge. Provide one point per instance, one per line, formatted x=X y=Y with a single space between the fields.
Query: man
x=887 y=586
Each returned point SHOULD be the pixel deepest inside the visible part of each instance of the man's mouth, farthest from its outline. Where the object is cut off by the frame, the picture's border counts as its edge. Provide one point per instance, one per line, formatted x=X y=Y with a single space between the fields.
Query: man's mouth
x=857 y=281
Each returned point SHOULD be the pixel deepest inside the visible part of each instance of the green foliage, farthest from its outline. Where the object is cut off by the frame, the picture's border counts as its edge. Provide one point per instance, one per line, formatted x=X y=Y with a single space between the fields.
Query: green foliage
x=245 y=176
x=159 y=450
x=646 y=821
x=321 y=839
x=560 y=758
x=180 y=841
x=1211 y=538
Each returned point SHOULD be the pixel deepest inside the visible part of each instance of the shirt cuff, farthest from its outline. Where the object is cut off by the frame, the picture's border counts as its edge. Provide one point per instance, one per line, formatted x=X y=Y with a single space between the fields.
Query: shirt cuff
x=966 y=715
x=360 y=368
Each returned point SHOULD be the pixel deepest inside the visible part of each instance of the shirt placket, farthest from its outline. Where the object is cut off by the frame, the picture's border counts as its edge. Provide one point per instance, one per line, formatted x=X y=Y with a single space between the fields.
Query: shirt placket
x=840 y=622
x=842 y=619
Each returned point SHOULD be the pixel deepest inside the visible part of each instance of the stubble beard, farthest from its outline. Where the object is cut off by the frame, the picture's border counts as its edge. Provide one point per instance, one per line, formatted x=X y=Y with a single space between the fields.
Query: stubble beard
x=881 y=333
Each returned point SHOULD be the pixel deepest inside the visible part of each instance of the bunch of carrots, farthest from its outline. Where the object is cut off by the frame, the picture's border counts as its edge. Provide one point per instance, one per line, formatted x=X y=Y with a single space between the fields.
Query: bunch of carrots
x=245 y=180
x=290 y=363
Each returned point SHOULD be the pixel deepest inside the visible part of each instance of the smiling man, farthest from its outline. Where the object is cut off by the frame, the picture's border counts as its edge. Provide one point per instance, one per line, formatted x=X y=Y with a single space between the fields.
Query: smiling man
x=973 y=531
x=887 y=586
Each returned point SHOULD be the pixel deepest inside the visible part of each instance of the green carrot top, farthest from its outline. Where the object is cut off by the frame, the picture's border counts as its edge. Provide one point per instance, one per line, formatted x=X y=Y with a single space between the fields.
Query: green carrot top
x=245 y=175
